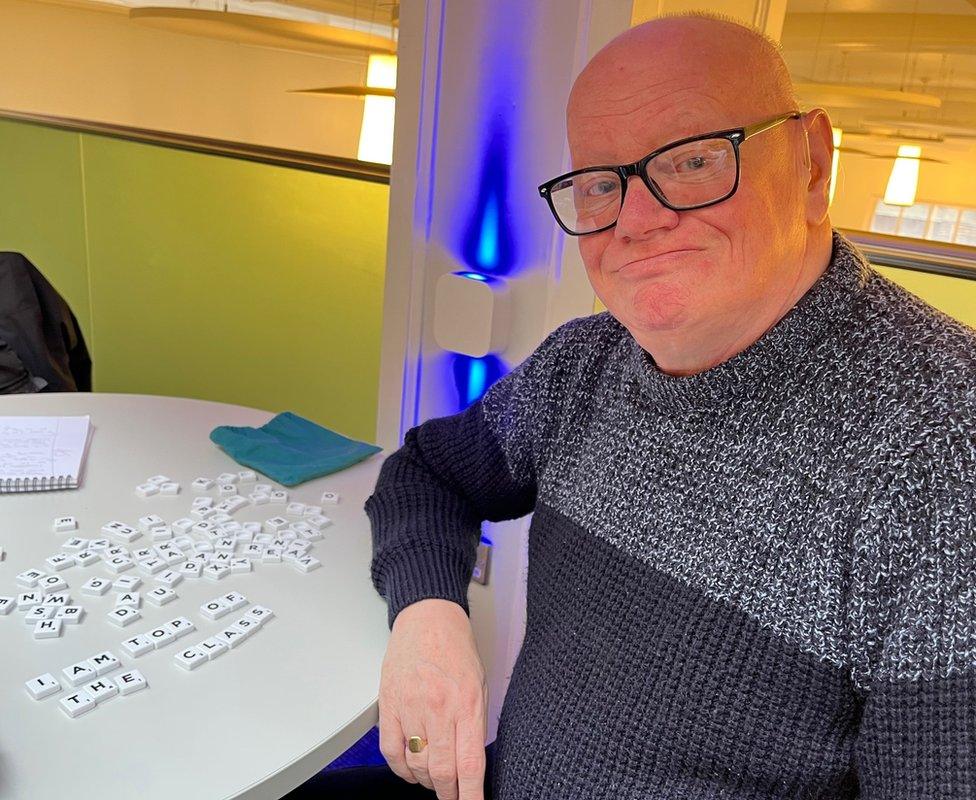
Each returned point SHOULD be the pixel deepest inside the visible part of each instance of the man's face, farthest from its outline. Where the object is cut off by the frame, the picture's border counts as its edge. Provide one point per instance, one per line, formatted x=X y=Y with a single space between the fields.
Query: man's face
x=729 y=257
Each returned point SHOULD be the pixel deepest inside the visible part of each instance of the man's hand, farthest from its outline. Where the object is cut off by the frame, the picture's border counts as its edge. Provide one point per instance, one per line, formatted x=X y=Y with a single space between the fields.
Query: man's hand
x=433 y=686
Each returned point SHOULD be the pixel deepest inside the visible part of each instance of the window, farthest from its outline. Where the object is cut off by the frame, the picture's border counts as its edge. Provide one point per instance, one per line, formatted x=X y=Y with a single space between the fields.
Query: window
x=926 y=221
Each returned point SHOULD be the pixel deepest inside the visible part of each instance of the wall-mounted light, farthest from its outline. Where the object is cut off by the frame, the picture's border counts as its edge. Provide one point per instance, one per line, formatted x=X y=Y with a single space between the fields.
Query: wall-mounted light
x=903 y=181
x=376 y=134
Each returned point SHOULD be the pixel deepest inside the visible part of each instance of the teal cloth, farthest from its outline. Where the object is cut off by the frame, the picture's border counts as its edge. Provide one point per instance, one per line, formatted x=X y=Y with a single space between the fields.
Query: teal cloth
x=291 y=449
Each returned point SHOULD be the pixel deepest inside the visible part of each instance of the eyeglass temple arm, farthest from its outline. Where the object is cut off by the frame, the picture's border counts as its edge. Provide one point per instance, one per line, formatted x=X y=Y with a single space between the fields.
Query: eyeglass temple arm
x=759 y=127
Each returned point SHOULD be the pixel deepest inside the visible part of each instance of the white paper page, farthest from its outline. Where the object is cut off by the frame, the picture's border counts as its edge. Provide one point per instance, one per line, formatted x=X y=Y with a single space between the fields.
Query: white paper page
x=42 y=447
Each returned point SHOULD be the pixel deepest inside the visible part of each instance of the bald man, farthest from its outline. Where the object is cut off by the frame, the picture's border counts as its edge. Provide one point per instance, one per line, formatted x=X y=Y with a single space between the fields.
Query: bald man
x=752 y=558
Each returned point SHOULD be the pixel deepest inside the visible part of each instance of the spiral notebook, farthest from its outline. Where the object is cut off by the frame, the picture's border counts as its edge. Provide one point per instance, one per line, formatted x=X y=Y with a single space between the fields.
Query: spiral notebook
x=42 y=453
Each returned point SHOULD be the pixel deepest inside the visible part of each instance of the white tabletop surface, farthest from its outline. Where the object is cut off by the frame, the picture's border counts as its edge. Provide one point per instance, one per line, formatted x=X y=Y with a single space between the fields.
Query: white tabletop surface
x=254 y=723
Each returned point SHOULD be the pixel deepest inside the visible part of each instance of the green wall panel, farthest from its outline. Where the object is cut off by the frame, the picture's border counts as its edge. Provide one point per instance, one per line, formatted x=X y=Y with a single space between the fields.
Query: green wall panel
x=233 y=281
x=42 y=208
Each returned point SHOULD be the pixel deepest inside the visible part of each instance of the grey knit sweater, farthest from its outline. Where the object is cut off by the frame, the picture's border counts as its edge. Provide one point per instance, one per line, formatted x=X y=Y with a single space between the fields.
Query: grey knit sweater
x=754 y=582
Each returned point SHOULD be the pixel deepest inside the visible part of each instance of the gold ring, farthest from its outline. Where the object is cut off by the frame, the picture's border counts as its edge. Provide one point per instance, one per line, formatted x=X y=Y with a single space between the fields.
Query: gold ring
x=415 y=744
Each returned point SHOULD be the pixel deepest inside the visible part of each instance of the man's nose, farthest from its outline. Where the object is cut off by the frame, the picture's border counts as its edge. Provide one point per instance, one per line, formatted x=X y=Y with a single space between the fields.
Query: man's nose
x=642 y=213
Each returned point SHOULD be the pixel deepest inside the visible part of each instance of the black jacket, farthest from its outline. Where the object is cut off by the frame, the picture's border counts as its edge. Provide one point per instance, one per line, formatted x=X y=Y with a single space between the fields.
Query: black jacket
x=41 y=345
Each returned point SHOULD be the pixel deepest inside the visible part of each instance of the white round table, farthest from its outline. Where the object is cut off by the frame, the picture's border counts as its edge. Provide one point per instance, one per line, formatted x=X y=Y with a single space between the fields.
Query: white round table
x=254 y=723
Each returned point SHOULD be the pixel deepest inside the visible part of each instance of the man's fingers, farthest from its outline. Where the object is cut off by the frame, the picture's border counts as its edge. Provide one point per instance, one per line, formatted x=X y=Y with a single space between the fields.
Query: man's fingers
x=440 y=751
x=392 y=745
x=470 y=739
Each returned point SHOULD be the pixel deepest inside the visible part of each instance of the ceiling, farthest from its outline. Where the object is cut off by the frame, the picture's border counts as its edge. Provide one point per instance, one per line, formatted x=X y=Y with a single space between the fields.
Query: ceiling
x=888 y=69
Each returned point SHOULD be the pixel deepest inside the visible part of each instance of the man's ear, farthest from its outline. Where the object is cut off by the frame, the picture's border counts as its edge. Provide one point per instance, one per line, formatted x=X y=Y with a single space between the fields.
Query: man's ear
x=819 y=154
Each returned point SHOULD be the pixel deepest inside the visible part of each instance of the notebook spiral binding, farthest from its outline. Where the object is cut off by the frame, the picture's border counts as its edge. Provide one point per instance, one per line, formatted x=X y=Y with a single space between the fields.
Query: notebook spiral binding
x=52 y=483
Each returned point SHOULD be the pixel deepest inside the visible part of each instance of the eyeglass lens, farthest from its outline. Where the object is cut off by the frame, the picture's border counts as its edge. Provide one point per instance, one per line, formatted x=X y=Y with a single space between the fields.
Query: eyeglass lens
x=689 y=175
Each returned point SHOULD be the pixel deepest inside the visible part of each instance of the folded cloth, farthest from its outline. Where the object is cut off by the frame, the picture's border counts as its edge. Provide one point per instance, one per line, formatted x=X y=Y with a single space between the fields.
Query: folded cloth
x=291 y=449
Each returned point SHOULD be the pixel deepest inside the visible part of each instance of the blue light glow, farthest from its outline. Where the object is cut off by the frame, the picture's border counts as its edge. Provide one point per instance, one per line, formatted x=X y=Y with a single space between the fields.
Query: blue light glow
x=487 y=243
x=474 y=276
x=474 y=376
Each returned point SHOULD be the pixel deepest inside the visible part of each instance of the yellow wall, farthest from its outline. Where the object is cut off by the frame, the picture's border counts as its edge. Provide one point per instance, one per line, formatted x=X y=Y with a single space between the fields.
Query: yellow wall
x=97 y=65
x=204 y=276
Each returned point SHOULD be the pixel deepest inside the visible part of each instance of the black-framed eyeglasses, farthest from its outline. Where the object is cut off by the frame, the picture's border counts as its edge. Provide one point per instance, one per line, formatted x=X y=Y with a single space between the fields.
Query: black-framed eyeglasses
x=690 y=173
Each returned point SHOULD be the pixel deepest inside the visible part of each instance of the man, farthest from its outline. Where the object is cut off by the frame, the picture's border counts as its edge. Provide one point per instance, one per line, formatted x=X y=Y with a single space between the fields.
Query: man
x=753 y=551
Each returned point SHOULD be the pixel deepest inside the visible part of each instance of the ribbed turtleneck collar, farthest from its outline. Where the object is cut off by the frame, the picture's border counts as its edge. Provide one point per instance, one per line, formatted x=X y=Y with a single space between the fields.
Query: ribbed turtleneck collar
x=780 y=353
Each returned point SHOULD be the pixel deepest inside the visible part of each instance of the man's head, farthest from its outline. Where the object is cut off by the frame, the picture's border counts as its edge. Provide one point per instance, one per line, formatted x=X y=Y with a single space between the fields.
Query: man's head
x=681 y=76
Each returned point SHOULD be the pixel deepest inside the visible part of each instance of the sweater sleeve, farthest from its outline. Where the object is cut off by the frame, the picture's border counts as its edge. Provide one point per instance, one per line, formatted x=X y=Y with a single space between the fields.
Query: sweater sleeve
x=915 y=578
x=454 y=472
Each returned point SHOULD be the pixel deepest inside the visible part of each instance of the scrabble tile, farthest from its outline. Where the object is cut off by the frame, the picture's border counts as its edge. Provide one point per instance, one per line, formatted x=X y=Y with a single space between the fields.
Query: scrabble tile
x=292 y=554
x=312 y=511
x=132 y=599
x=127 y=534
x=43 y=686
x=104 y=662
x=246 y=625
x=48 y=629
x=80 y=673
x=161 y=533
x=111 y=527
x=52 y=583
x=180 y=626
x=70 y=615
x=253 y=527
x=28 y=600
x=173 y=557
x=295 y=509
x=138 y=645
x=272 y=555
x=86 y=558
x=102 y=689
x=29 y=578
x=202 y=502
x=219 y=517
x=119 y=564
x=151 y=566
x=254 y=551
x=99 y=544
x=169 y=578
x=59 y=561
x=239 y=565
x=265 y=488
x=300 y=526
x=230 y=637
x=212 y=648
x=215 y=608
x=259 y=614
x=126 y=583
x=150 y=521
x=329 y=499
x=39 y=614
x=57 y=599
x=161 y=636
x=123 y=615
x=190 y=569
x=160 y=596
x=311 y=536
x=130 y=682
x=275 y=524
x=202 y=484
x=306 y=563
x=227 y=477
x=226 y=489
x=115 y=550
x=203 y=547
x=170 y=488
x=65 y=524
x=190 y=658
x=143 y=553
x=279 y=496
x=318 y=522
x=182 y=526
x=96 y=586
x=158 y=480
x=222 y=559
x=234 y=599
x=75 y=544
x=6 y=605
x=184 y=542
x=78 y=703
x=226 y=545
x=244 y=537
x=247 y=476
x=147 y=490
x=215 y=572
x=257 y=498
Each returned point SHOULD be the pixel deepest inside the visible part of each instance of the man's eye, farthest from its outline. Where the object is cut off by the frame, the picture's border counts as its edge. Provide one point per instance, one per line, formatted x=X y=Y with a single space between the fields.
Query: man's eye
x=694 y=163
x=600 y=188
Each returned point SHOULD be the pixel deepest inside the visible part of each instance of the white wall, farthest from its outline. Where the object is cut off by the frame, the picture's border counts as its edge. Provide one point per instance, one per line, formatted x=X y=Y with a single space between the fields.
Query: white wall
x=98 y=65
